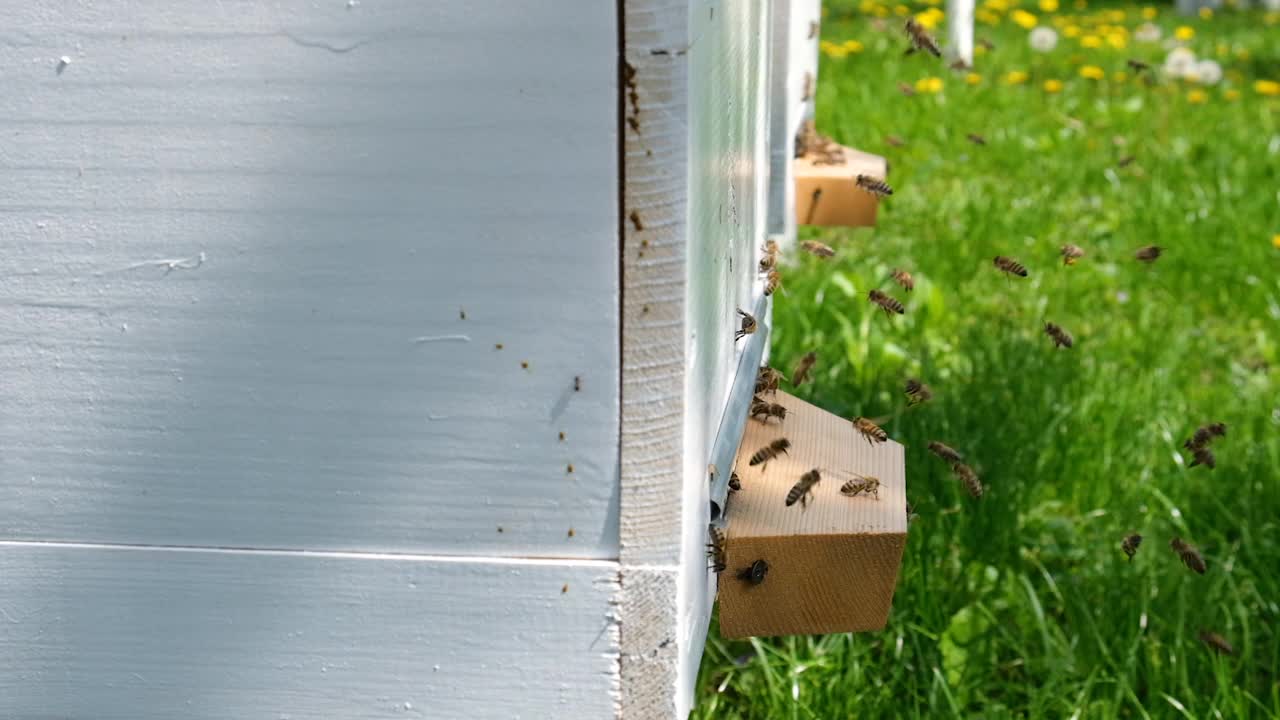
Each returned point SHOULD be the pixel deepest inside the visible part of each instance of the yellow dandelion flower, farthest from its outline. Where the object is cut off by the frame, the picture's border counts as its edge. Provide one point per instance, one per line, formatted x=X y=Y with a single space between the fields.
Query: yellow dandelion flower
x=1117 y=41
x=1149 y=13
x=1267 y=87
x=825 y=45
x=927 y=19
x=931 y=2
x=881 y=11
x=1049 y=6
x=1119 y=76
x=901 y=10
x=1071 y=31
x=929 y=85
x=987 y=17
x=1184 y=32
x=1275 y=241
x=1206 y=13
x=1024 y=19
x=852 y=46
x=1016 y=77
x=1242 y=54
x=1231 y=94
x=1090 y=41
x=996 y=5
x=1271 y=18
x=1053 y=86
x=1092 y=72
x=836 y=52
x=1197 y=97
x=1081 y=4
x=973 y=78
x=1117 y=16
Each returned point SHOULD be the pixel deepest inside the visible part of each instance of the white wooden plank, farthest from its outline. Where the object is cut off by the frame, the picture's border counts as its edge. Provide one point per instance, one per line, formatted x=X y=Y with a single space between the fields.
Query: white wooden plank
x=795 y=59
x=234 y=248
x=960 y=30
x=136 y=634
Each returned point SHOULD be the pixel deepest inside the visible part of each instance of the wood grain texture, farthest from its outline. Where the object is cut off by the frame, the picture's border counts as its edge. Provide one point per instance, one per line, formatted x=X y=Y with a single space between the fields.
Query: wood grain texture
x=794 y=55
x=833 y=566
x=142 y=634
x=840 y=202
x=237 y=242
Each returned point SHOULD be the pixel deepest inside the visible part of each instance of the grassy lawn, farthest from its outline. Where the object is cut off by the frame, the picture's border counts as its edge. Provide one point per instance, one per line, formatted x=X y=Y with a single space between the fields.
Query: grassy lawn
x=1021 y=604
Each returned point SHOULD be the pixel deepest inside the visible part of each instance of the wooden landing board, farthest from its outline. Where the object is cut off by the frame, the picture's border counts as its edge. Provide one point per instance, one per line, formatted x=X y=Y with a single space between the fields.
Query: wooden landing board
x=154 y=634
x=840 y=203
x=833 y=565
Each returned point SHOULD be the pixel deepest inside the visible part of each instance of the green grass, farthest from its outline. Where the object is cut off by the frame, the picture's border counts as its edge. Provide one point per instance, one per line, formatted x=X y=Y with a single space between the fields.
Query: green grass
x=1021 y=604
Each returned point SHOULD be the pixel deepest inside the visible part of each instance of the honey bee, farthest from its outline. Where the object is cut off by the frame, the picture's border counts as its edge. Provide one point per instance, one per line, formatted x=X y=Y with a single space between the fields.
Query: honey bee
x=1010 y=266
x=814 y=247
x=976 y=139
x=813 y=29
x=715 y=548
x=1130 y=545
x=1137 y=65
x=920 y=39
x=767 y=263
x=946 y=452
x=755 y=573
x=808 y=88
x=768 y=410
x=871 y=431
x=803 y=489
x=886 y=302
x=748 y=325
x=1191 y=557
x=986 y=44
x=577 y=383
x=1071 y=253
x=1061 y=338
x=873 y=185
x=801 y=371
x=917 y=392
x=960 y=64
x=1203 y=456
x=1148 y=254
x=773 y=282
x=968 y=478
x=735 y=482
x=1205 y=435
x=1126 y=161
x=769 y=452
x=1216 y=642
x=894 y=141
x=770 y=247
x=861 y=484
x=906 y=89
x=767 y=380
x=903 y=278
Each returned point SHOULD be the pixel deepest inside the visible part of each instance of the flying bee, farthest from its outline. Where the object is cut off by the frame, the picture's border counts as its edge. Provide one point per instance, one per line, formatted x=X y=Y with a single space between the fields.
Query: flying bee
x=873 y=185
x=906 y=89
x=976 y=139
x=861 y=484
x=1126 y=161
x=1130 y=545
x=1061 y=338
x=903 y=278
x=894 y=141
x=801 y=371
x=1205 y=435
x=755 y=573
x=1148 y=254
x=768 y=410
x=871 y=431
x=1071 y=253
x=968 y=478
x=1137 y=65
x=1191 y=557
x=769 y=452
x=1203 y=456
x=772 y=282
x=920 y=39
x=946 y=452
x=986 y=44
x=1010 y=266
x=886 y=302
x=917 y=392
x=767 y=380
x=715 y=548
x=748 y=325
x=803 y=489
x=814 y=247
x=1216 y=642
x=960 y=64
x=735 y=482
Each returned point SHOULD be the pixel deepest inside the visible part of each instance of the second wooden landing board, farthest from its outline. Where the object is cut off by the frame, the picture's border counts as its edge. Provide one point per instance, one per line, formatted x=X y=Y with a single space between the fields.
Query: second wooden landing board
x=832 y=565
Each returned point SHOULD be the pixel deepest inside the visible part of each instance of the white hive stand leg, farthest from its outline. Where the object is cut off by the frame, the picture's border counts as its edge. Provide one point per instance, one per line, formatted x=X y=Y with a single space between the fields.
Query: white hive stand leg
x=960 y=29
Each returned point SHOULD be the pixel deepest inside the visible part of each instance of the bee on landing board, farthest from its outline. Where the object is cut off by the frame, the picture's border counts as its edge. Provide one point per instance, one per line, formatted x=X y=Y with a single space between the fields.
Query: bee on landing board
x=1071 y=253
x=767 y=380
x=1149 y=253
x=903 y=278
x=968 y=478
x=715 y=548
x=875 y=186
x=767 y=410
x=769 y=452
x=801 y=371
x=917 y=392
x=748 y=325
x=871 y=431
x=1010 y=266
x=920 y=39
x=1216 y=642
x=1190 y=556
x=813 y=247
x=803 y=489
x=769 y=258
x=1061 y=338
x=861 y=484
x=946 y=452
x=754 y=574
x=735 y=482
x=1130 y=545
x=887 y=302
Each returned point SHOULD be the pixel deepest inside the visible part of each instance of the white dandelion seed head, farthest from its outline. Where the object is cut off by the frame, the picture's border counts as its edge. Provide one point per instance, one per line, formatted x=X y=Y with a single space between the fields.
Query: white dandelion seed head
x=1147 y=33
x=1208 y=72
x=1043 y=39
x=1180 y=62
